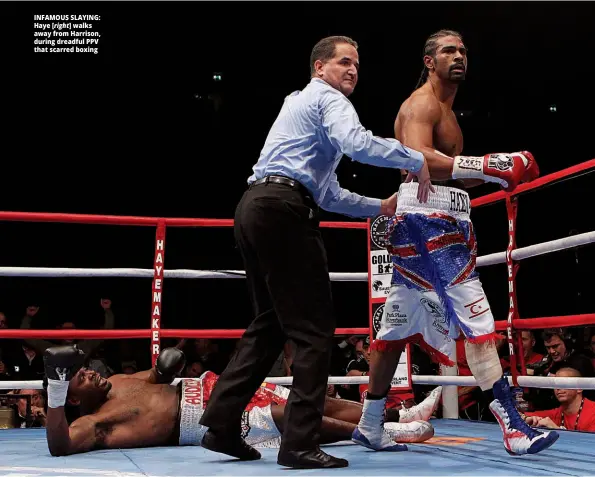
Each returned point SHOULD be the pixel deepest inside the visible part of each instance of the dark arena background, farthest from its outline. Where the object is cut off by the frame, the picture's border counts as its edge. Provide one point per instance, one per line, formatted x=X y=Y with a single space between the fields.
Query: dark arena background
x=169 y=116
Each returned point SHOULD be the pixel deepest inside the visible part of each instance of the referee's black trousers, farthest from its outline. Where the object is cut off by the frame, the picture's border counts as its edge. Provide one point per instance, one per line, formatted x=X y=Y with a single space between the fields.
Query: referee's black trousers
x=277 y=231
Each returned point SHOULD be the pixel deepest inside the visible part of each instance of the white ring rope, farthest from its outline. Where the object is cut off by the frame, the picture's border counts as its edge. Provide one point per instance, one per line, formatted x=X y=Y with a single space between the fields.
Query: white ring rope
x=491 y=259
x=149 y=273
x=538 y=249
x=545 y=382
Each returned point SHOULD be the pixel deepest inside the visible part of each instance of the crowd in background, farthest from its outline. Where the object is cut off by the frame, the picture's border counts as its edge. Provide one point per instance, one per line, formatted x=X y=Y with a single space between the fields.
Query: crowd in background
x=553 y=352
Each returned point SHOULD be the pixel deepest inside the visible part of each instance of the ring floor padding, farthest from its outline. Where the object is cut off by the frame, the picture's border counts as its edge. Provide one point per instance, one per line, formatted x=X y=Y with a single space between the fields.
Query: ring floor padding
x=459 y=447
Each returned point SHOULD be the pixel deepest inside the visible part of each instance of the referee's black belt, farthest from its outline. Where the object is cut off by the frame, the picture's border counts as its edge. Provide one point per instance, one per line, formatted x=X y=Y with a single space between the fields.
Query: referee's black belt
x=283 y=181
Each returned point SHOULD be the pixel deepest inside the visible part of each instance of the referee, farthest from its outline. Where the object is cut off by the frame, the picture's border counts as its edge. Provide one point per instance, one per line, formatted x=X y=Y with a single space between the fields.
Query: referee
x=277 y=231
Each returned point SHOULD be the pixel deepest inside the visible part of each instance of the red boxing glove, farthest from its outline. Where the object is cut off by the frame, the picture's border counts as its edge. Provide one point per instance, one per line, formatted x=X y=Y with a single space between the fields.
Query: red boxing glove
x=508 y=170
x=532 y=169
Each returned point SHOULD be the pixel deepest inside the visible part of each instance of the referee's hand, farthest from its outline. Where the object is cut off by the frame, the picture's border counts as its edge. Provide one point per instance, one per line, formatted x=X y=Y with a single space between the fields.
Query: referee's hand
x=389 y=206
x=425 y=186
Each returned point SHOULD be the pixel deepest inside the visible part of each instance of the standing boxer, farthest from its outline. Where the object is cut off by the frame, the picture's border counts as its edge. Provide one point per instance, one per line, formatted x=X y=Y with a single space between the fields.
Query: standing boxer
x=433 y=249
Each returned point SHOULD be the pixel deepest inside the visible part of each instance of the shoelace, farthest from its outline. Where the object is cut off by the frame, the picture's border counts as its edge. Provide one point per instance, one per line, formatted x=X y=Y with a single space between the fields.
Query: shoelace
x=516 y=420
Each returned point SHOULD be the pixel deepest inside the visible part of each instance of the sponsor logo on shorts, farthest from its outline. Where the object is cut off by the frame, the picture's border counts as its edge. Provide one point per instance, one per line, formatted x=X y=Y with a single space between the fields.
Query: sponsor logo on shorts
x=478 y=307
x=378 y=231
x=395 y=317
x=245 y=424
x=377 y=318
x=192 y=388
x=502 y=162
x=436 y=311
x=459 y=202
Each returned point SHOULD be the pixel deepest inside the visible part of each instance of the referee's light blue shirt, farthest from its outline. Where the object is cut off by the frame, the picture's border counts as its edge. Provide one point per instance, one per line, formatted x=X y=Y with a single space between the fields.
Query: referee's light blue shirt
x=315 y=127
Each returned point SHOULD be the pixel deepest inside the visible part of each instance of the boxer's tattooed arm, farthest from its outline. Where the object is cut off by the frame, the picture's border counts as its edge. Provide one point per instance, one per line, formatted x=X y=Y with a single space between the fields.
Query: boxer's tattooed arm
x=63 y=440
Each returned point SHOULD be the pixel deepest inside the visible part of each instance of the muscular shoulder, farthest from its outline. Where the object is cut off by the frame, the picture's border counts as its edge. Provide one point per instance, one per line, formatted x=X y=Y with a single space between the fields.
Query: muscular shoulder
x=422 y=106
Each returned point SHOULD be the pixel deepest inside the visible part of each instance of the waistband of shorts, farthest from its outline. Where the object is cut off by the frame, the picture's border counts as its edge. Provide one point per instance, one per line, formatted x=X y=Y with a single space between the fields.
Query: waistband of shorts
x=446 y=200
x=192 y=409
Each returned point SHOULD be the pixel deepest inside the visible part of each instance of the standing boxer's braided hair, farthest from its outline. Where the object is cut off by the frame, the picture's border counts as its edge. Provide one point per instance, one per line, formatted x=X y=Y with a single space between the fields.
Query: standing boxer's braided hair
x=430 y=50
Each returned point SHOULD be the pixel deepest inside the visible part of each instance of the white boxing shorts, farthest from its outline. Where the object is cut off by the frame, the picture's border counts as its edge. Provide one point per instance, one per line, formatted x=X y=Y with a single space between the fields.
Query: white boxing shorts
x=192 y=407
x=435 y=289
x=258 y=427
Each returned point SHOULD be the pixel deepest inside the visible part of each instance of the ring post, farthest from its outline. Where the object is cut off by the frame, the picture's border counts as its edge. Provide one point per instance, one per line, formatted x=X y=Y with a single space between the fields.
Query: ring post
x=156 y=312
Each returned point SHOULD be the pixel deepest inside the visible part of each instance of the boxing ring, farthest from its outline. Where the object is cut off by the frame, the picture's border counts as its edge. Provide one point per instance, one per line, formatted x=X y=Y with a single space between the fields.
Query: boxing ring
x=459 y=447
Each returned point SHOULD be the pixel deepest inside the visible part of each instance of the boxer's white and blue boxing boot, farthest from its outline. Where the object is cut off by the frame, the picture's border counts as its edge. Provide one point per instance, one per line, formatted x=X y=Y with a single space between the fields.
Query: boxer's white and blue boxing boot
x=415 y=431
x=370 y=431
x=519 y=437
x=424 y=410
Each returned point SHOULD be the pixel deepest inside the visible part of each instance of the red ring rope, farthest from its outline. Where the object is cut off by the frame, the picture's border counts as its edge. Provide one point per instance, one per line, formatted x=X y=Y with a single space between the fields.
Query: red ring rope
x=518 y=324
x=145 y=221
x=192 y=222
x=537 y=183
x=161 y=223
x=131 y=334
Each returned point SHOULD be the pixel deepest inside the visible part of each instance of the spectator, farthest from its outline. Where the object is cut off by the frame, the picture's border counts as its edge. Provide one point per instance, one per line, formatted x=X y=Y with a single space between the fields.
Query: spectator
x=591 y=351
x=359 y=366
x=343 y=353
x=282 y=366
x=38 y=408
x=560 y=354
x=88 y=346
x=531 y=358
x=529 y=354
x=194 y=369
x=4 y=348
x=23 y=362
x=206 y=351
x=129 y=367
x=98 y=363
x=574 y=412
